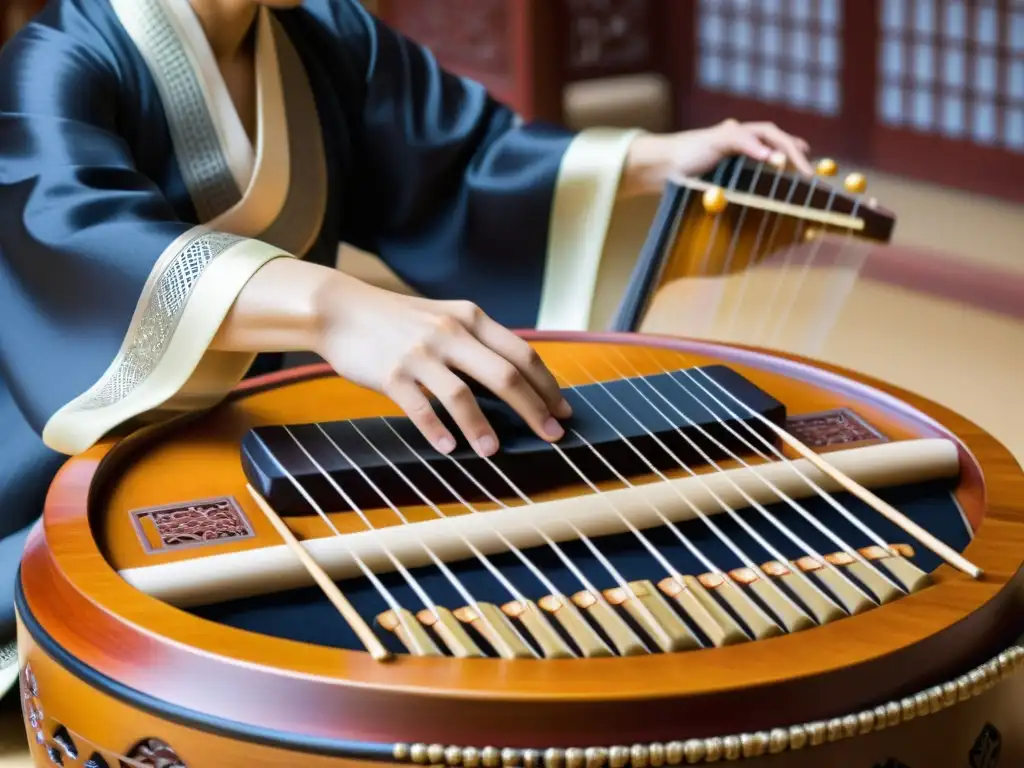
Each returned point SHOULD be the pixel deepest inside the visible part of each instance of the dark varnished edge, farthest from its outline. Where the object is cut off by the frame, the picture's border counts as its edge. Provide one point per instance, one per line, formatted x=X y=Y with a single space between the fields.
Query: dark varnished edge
x=991 y=620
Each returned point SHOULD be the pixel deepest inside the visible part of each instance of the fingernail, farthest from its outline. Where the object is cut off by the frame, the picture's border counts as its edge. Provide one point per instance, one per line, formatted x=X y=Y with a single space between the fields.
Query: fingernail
x=445 y=445
x=564 y=410
x=554 y=429
x=486 y=445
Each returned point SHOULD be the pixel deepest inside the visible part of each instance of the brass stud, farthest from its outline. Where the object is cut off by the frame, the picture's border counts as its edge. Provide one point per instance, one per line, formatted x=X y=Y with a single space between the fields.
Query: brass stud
x=575 y=757
x=510 y=758
x=778 y=741
x=618 y=757
x=866 y=722
x=435 y=754
x=731 y=748
x=850 y=726
x=713 y=749
x=596 y=757
x=908 y=708
x=714 y=200
x=418 y=754
x=797 y=737
x=638 y=756
x=826 y=167
x=817 y=732
x=470 y=757
x=922 y=704
x=754 y=744
x=695 y=750
x=834 y=729
x=674 y=753
x=400 y=752
x=963 y=688
x=994 y=672
x=656 y=753
x=554 y=758
x=490 y=757
x=453 y=756
x=949 y=694
x=532 y=758
x=856 y=183
x=892 y=713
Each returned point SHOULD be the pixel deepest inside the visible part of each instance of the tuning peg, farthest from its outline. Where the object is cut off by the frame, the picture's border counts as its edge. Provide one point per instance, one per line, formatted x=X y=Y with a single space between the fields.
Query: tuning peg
x=826 y=167
x=855 y=183
x=714 y=200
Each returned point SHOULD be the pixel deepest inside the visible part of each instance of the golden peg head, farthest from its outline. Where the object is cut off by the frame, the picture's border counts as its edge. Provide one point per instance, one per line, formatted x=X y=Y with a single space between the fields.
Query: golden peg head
x=777 y=159
x=855 y=183
x=827 y=167
x=714 y=200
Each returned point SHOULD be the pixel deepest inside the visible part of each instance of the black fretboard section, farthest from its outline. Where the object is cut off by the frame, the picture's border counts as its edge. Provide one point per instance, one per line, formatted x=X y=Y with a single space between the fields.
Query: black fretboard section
x=665 y=418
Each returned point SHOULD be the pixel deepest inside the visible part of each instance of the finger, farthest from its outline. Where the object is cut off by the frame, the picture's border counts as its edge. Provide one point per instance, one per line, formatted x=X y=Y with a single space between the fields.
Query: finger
x=458 y=399
x=525 y=358
x=408 y=396
x=776 y=137
x=508 y=382
x=739 y=138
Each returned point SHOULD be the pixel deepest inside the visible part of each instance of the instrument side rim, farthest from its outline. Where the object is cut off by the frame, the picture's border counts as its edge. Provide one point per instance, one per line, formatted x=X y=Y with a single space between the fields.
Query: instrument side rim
x=53 y=571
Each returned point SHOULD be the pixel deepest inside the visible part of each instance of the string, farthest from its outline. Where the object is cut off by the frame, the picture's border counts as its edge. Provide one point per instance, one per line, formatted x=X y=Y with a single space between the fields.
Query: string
x=822 y=528
x=530 y=565
x=706 y=313
x=601 y=558
x=440 y=564
x=736 y=550
x=367 y=572
x=788 y=256
x=937 y=546
x=779 y=324
x=794 y=184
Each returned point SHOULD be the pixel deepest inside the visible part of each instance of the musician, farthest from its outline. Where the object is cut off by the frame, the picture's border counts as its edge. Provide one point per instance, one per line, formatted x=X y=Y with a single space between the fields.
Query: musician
x=176 y=177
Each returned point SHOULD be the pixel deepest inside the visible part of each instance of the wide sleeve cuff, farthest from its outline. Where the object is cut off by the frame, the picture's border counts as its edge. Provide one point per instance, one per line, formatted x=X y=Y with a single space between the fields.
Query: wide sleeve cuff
x=164 y=364
x=581 y=214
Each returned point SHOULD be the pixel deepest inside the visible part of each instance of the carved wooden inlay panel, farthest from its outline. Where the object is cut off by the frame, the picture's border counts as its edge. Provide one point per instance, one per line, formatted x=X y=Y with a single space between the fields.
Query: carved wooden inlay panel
x=609 y=34
x=190 y=524
x=468 y=36
x=838 y=427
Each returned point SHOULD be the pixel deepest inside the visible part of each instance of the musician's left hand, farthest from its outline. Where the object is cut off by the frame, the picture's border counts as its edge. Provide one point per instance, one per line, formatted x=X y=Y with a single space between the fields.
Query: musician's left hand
x=654 y=158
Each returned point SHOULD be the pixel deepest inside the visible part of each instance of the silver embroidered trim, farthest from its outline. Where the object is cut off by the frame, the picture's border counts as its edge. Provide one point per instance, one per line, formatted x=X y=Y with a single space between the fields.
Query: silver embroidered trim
x=8 y=654
x=158 y=321
x=206 y=171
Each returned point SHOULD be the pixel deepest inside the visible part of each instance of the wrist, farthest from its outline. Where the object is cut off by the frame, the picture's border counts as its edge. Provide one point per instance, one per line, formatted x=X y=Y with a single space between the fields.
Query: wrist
x=279 y=310
x=647 y=167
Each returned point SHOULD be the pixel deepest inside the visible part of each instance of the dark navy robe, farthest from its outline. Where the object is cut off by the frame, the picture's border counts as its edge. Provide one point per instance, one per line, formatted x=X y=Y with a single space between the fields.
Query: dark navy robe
x=133 y=208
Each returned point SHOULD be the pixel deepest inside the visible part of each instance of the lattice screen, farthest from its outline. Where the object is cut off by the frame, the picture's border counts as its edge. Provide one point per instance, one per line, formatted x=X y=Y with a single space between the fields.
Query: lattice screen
x=786 y=52
x=955 y=69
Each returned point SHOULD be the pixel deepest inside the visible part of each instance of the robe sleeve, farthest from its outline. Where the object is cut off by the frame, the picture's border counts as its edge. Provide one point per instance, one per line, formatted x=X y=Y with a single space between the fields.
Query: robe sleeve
x=108 y=302
x=464 y=200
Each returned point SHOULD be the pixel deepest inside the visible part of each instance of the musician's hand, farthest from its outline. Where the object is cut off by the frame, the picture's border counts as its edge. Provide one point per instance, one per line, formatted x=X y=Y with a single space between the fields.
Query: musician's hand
x=654 y=158
x=402 y=345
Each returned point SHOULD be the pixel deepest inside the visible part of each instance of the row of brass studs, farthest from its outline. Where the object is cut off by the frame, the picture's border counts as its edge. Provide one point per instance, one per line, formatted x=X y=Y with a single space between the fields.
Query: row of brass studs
x=694 y=751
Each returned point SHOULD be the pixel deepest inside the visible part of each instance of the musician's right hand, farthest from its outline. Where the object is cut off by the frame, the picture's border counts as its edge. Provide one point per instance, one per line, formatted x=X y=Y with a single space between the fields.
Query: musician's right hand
x=406 y=346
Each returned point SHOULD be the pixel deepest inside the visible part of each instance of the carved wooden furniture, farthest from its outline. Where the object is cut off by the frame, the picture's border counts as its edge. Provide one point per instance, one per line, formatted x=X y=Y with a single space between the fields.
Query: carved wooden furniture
x=14 y=13
x=527 y=51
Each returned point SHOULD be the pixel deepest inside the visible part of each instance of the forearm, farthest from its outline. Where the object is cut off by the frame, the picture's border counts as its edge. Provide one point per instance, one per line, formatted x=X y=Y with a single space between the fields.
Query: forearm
x=279 y=310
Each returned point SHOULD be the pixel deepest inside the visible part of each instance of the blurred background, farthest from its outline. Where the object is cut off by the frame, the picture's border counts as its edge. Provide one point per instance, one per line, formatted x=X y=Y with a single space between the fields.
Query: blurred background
x=925 y=97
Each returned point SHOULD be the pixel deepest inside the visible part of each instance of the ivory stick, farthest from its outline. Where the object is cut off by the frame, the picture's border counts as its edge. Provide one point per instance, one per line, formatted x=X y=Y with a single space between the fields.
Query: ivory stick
x=208 y=579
